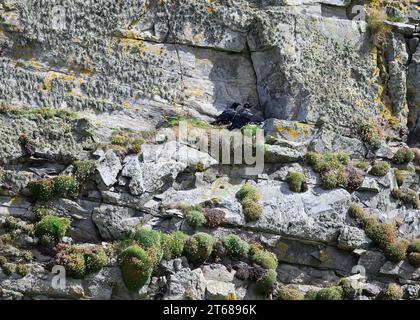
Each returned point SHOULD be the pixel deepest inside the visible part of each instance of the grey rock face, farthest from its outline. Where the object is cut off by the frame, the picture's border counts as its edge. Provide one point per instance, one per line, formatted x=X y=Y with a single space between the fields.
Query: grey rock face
x=108 y=166
x=113 y=222
x=413 y=96
x=289 y=86
x=277 y=154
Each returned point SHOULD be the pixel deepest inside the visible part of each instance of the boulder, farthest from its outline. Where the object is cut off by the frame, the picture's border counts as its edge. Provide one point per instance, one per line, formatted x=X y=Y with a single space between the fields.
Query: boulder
x=113 y=222
x=108 y=166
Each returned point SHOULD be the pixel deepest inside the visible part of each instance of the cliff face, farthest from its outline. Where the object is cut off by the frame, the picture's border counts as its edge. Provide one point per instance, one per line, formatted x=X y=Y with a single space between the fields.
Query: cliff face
x=317 y=81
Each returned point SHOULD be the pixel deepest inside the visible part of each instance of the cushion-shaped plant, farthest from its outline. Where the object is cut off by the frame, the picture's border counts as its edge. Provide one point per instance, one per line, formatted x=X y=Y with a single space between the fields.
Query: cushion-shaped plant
x=403 y=156
x=380 y=169
x=195 y=218
x=295 y=181
x=252 y=209
x=267 y=282
x=136 y=267
x=95 y=259
x=289 y=293
x=265 y=258
x=52 y=226
x=198 y=248
x=392 y=292
x=330 y=293
x=235 y=246
x=397 y=251
x=147 y=237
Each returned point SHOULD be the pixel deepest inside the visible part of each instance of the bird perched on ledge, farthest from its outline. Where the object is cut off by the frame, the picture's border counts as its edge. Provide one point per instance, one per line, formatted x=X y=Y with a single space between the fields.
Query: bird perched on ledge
x=227 y=116
x=236 y=116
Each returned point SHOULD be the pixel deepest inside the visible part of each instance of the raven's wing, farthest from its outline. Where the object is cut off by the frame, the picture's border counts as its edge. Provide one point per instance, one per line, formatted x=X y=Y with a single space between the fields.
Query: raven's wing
x=241 y=120
x=226 y=116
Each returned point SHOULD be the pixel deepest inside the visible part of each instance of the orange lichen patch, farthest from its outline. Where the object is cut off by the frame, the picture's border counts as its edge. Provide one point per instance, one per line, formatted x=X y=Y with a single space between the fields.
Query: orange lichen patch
x=283 y=248
x=203 y=61
x=35 y=64
x=154 y=49
x=14 y=200
x=358 y=104
x=131 y=45
x=81 y=70
x=46 y=85
x=294 y=133
x=210 y=10
x=136 y=46
x=198 y=37
x=323 y=256
x=399 y=57
x=195 y=92
x=126 y=105
x=387 y=115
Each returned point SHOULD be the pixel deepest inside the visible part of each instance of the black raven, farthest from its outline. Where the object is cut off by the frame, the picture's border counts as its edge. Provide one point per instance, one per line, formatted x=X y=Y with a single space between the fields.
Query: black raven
x=241 y=119
x=227 y=116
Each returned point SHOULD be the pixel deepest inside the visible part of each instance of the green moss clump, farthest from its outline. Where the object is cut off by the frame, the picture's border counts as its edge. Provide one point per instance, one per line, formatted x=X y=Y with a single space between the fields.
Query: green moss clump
x=3 y=261
x=392 y=292
x=289 y=293
x=357 y=212
x=397 y=251
x=173 y=244
x=147 y=237
x=249 y=197
x=53 y=227
x=311 y=294
x=248 y=191
x=265 y=259
x=95 y=259
x=65 y=186
x=2 y=176
x=252 y=209
x=383 y=234
x=414 y=259
x=11 y=224
x=8 y=269
x=334 y=178
x=362 y=165
x=235 y=246
x=22 y=270
x=267 y=282
x=41 y=189
x=198 y=248
x=327 y=161
x=46 y=113
x=175 y=121
x=380 y=169
x=75 y=264
x=42 y=212
x=414 y=246
x=46 y=189
x=120 y=139
x=195 y=218
x=295 y=180
x=83 y=170
x=403 y=156
x=333 y=169
x=400 y=176
x=371 y=134
x=407 y=196
x=330 y=293
x=136 y=267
